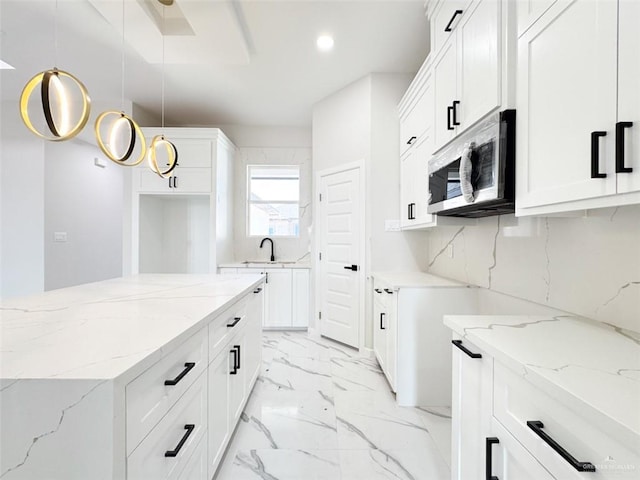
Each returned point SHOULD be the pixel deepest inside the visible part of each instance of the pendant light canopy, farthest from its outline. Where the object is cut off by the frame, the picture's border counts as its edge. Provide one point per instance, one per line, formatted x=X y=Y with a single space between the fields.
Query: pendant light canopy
x=60 y=91
x=121 y=130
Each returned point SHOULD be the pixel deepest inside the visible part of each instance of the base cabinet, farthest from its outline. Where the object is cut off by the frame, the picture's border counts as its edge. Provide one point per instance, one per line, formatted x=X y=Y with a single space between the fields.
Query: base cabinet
x=286 y=295
x=219 y=423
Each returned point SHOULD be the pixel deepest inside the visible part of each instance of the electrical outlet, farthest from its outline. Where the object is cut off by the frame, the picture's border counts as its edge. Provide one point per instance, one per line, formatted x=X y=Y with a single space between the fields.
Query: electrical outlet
x=450 y=250
x=59 y=236
x=392 y=225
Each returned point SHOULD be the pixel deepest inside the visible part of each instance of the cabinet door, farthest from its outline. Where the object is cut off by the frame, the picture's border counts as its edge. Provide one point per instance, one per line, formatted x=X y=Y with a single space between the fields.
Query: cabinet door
x=445 y=22
x=566 y=91
x=444 y=85
x=219 y=425
x=237 y=370
x=406 y=187
x=193 y=152
x=509 y=459
x=479 y=70
x=379 y=328
x=629 y=91
x=253 y=334
x=300 y=300
x=420 y=180
x=470 y=412
x=391 y=324
x=278 y=298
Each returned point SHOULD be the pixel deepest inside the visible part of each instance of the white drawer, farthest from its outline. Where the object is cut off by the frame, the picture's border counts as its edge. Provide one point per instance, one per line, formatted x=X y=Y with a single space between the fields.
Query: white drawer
x=196 y=469
x=181 y=431
x=148 y=398
x=225 y=325
x=517 y=402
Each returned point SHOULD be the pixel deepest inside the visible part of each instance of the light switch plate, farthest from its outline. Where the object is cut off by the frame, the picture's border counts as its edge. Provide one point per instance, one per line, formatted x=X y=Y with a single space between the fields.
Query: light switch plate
x=59 y=236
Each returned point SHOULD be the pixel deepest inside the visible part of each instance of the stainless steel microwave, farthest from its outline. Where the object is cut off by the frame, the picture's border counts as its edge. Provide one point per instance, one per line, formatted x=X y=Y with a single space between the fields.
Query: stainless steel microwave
x=475 y=176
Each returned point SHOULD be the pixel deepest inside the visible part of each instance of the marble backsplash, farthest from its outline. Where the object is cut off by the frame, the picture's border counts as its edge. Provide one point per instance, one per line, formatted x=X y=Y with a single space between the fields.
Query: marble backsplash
x=586 y=265
x=286 y=248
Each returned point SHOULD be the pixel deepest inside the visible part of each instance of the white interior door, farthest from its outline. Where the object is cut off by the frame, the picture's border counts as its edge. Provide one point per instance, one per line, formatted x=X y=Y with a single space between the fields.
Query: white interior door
x=341 y=244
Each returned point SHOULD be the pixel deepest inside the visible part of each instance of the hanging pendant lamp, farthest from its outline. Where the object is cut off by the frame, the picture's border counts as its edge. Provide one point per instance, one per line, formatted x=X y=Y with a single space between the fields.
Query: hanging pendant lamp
x=59 y=92
x=160 y=143
x=121 y=130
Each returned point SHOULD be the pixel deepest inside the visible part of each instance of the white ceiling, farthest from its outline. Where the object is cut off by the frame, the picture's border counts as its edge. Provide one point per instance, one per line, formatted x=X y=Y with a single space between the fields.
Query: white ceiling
x=246 y=62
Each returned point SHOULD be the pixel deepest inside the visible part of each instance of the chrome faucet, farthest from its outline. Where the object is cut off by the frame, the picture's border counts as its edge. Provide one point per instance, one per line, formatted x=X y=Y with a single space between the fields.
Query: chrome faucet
x=273 y=258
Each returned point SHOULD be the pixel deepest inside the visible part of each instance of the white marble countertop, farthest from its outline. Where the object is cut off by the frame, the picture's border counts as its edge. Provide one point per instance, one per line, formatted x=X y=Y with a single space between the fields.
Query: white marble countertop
x=107 y=329
x=590 y=366
x=415 y=279
x=276 y=264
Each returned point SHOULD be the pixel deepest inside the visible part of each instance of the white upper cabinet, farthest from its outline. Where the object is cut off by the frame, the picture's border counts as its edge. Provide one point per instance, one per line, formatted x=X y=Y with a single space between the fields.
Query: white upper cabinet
x=629 y=93
x=468 y=65
x=572 y=98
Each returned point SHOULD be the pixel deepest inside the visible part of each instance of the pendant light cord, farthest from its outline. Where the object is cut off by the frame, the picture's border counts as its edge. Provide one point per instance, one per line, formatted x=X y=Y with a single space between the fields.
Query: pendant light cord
x=122 y=89
x=55 y=36
x=162 y=33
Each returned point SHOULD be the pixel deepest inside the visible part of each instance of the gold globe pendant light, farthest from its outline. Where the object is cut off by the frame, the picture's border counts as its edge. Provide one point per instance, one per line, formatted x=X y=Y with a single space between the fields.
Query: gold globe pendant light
x=122 y=131
x=159 y=142
x=58 y=88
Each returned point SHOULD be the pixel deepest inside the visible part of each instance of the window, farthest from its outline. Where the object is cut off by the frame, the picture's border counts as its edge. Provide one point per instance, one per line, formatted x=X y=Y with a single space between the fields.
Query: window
x=273 y=200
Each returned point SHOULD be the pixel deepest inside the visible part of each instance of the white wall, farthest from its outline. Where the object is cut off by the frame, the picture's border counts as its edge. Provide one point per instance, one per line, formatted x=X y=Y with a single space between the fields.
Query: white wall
x=85 y=201
x=279 y=137
x=21 y=206
x=589 y=266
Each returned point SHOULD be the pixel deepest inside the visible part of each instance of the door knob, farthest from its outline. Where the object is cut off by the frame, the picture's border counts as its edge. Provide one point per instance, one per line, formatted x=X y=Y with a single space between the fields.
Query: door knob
x=351 y=267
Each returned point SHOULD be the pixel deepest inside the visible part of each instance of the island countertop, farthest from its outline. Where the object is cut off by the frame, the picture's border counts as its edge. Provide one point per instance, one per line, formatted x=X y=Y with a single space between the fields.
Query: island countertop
x=107 y=329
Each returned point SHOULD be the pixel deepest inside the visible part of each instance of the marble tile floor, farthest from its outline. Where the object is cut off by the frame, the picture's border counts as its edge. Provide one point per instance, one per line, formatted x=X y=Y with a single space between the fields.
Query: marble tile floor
x=322 y=411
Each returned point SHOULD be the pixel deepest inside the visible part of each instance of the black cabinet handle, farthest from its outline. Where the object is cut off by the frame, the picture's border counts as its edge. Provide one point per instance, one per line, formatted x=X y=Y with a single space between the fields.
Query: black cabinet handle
x=537 y=426
x=175 y=179
x=236 y=361
x=237 y=347
x=377 y=290
x=595 y=154
x=390 y=292
x=620 y=126
x=189 y=430
x=351 y=267
x=187 y=368
x=381 y=318
x=411 y=214
x=235 y=322
x=455 y=112
x=410 y=141
x=491 y=441
x=408 y=211
x=458 y=343
x=455 y=14
x=449 y=110
x=257 y=290
x=170 y=186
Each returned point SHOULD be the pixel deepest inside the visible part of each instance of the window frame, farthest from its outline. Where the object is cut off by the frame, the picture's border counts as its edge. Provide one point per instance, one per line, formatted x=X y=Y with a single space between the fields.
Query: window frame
x=249 y=202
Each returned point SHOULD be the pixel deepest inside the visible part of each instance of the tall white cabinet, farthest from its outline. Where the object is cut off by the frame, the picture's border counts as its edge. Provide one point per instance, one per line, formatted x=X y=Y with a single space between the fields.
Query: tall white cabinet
x=182 y=224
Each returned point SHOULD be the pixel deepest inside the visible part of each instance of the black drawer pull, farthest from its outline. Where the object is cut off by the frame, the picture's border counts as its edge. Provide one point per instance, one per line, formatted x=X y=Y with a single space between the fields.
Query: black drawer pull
x=377 y=290
x=458 y=343
x=235 y=321
x=410 y=141
x=237 y=347
x=595 y=154
x=257 y=290
x=455 y=112
x=449 y=110
x=537 y=426
x=455 y=14
x=187 y=368
x=189 y=430
x=236 y=361
x=381 y=318
x=491 y=441
x=620 y=126
x=390 y=292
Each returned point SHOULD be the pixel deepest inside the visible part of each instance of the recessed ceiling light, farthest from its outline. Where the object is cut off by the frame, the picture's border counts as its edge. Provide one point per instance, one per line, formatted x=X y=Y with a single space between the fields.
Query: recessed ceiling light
x=5 y=66
x=324 y=43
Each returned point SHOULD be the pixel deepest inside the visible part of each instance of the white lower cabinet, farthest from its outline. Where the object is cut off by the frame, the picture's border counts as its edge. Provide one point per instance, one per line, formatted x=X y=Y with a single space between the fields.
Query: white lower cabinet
x=286 y=295
x=409 y=339
x=219 y=424
x=196 y=468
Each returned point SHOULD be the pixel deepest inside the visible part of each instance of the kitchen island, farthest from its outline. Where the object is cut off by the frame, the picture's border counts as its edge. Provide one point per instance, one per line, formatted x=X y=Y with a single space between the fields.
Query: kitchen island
x=136 y=377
